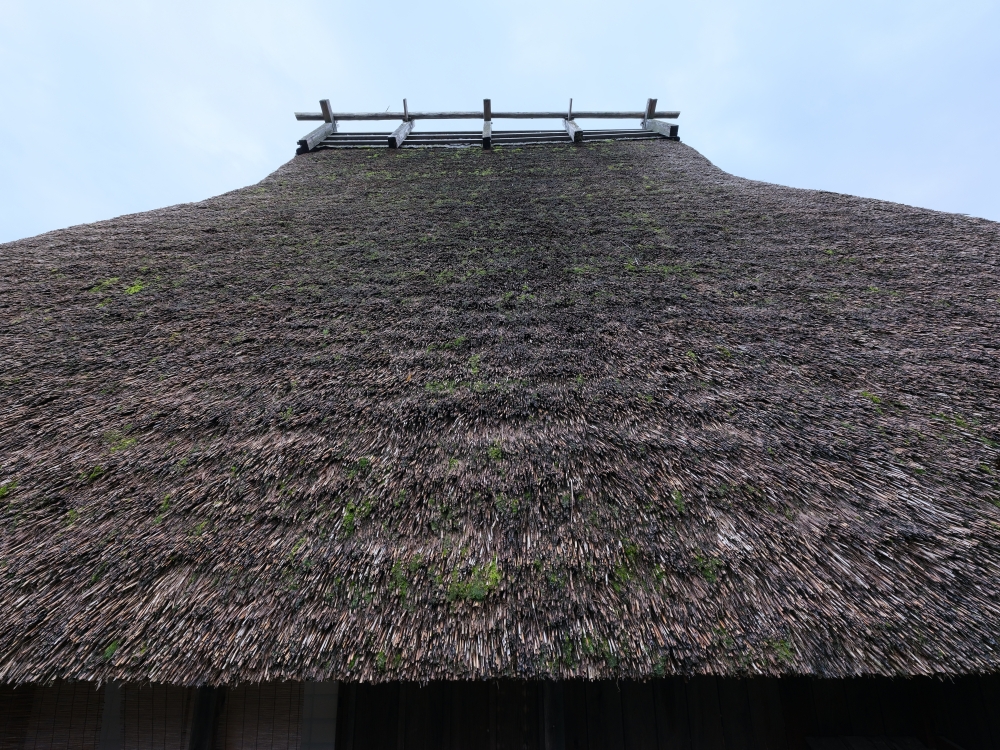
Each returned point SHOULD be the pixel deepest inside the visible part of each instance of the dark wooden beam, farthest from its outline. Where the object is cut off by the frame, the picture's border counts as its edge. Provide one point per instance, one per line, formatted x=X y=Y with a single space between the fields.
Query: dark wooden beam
x=492 y=743
x=351 y=718
x=111 y=719
x=207 y=705
x=399 y=134
x=487 y=110
x=553 y=716
x=402 y=705
x=319 y=716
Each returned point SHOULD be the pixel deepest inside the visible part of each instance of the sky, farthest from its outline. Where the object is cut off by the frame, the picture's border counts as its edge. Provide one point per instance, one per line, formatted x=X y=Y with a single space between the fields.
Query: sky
x=110 y=107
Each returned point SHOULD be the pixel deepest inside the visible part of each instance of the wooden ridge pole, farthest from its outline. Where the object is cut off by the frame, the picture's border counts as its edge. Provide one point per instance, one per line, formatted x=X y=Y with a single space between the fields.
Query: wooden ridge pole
x=589 y=115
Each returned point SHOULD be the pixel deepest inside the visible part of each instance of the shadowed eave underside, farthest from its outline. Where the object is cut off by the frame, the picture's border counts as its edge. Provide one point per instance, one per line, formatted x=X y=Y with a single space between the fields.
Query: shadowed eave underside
x=599 y=411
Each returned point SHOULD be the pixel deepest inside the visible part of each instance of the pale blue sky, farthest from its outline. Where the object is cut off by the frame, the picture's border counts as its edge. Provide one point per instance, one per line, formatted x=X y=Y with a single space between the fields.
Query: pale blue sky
x=111 y=107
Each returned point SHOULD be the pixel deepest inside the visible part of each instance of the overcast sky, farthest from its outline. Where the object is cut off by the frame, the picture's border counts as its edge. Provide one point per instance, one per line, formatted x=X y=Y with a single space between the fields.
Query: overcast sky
x=110 y=107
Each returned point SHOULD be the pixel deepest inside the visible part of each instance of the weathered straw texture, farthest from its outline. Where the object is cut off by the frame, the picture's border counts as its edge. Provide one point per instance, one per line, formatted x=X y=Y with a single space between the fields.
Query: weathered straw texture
x=598 y=411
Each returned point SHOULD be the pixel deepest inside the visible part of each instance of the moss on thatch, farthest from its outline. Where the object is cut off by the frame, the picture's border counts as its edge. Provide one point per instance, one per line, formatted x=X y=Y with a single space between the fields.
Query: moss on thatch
x=595 y=411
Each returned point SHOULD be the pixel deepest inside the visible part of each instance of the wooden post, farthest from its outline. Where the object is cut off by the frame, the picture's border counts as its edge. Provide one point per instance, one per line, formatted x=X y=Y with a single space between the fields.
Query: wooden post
x=650 y=111
x=487 y=124
x=574 y=131
x=569 y=114
x=406 y=112
x=399 y=134
x=324 y=104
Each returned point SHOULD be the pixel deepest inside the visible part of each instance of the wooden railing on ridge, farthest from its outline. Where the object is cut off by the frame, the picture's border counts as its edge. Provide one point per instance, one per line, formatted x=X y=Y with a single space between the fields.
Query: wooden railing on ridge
x=648 y=118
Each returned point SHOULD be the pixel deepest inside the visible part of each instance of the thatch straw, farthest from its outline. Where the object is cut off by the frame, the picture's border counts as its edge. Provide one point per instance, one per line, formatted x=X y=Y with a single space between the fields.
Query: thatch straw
x=597 y=411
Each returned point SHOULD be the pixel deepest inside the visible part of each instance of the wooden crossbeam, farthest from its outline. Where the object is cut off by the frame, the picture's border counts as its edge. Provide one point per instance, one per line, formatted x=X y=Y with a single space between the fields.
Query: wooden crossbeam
x=574 y=131
x=668 y=129
x=317 y=136
x=399 y=134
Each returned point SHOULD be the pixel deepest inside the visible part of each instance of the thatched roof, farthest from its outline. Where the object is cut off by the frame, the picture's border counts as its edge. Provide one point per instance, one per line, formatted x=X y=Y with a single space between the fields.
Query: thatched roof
x=592 y=411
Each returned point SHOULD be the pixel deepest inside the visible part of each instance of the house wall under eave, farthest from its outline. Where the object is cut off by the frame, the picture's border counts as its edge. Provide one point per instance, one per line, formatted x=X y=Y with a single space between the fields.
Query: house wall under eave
x=701 y=713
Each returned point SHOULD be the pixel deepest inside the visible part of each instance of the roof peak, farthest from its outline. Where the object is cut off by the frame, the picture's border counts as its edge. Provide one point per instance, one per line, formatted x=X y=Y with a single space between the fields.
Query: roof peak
x=326 y=135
